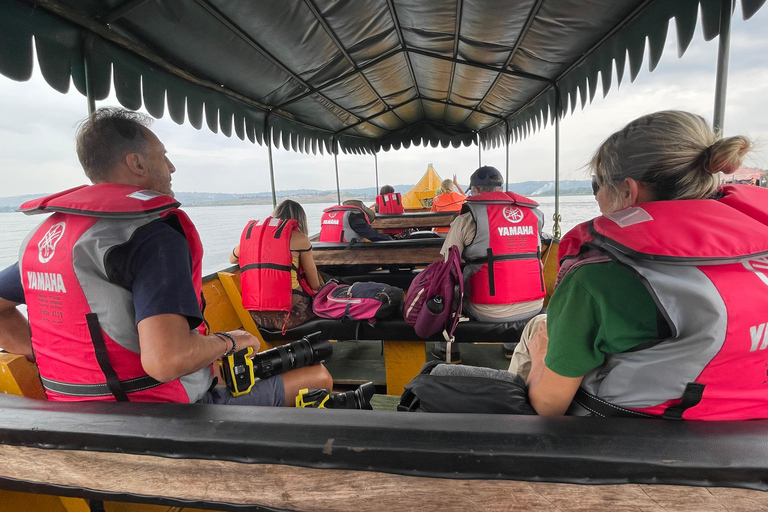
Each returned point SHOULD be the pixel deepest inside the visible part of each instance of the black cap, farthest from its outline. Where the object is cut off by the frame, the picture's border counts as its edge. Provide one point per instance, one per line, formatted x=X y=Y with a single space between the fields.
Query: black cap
x=486 y=176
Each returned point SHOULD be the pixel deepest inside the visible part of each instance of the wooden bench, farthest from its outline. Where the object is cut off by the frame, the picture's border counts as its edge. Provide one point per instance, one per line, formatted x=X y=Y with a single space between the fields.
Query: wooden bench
x=420 y=221
x=328 y=255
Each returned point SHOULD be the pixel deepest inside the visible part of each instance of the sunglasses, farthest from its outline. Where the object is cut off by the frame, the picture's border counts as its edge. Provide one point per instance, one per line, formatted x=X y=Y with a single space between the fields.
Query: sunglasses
x=595 y=185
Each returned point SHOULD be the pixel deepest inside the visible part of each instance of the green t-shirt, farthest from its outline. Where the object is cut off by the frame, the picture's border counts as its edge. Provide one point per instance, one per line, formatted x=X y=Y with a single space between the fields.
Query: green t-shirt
x=598 y=309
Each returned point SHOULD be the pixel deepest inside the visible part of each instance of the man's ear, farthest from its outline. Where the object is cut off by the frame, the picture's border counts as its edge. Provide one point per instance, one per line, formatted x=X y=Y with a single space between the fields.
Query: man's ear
x=135 y=163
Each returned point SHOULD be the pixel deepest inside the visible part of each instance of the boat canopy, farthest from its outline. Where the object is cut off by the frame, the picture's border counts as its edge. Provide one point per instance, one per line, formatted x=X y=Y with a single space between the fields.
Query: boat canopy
x=358 y=75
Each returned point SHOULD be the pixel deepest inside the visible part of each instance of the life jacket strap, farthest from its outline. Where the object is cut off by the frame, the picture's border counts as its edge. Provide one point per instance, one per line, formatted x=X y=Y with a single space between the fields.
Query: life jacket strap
x=100 y=348
x=694 y=391
x=94 y=390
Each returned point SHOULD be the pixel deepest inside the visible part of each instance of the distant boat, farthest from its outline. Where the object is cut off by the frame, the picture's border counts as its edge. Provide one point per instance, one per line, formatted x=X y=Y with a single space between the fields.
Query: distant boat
x=421 y=195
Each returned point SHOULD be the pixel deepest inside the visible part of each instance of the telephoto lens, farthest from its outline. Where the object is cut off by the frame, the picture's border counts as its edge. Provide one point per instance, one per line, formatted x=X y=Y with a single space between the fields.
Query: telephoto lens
x=359 y=398
x=296 y=354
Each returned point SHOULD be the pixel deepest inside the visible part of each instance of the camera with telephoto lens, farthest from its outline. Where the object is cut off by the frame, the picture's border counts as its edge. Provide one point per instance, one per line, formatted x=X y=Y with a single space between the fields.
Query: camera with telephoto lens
x=241 y=369
x=359 y=398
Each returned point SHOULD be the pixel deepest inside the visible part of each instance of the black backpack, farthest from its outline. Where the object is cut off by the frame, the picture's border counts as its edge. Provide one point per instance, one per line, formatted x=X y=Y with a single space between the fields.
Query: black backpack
x=470 y=389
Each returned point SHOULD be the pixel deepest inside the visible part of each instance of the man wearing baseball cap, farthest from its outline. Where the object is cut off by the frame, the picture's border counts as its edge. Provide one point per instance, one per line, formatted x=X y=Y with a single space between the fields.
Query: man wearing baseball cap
x=498 y=236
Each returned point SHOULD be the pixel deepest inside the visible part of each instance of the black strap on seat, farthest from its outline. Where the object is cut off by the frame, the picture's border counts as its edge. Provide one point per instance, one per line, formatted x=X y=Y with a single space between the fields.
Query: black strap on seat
x=604 y=409
x=113 y=383
x=691 y=398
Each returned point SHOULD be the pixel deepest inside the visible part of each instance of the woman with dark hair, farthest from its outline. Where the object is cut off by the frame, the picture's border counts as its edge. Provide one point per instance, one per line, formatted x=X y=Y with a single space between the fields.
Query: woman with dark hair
x=660 y=306
x=278 y=273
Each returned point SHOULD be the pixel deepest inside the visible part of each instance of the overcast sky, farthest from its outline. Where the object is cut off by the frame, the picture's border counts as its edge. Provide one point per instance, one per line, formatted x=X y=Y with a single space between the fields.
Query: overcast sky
x=37 y=131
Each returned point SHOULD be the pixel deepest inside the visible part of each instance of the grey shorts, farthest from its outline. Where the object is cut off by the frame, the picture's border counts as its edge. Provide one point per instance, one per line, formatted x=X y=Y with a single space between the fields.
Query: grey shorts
x=265 y=392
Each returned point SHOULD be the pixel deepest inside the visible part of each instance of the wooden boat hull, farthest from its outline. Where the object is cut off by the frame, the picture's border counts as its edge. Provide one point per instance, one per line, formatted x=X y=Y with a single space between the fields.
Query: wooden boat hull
x=228 y=457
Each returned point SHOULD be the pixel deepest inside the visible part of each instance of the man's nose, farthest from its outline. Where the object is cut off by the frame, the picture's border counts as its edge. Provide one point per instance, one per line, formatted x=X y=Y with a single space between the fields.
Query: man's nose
x=171 y=167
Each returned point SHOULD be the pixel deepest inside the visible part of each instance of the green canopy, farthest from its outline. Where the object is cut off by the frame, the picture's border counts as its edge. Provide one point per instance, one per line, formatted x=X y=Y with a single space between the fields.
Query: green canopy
x=366 y=74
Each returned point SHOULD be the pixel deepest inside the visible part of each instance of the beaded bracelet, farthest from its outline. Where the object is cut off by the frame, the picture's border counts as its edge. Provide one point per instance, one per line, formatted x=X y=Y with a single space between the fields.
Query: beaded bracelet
x=226 y=336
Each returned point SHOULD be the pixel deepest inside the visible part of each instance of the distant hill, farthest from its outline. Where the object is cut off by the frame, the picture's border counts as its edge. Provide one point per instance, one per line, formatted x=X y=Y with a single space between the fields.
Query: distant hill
x=526 y=188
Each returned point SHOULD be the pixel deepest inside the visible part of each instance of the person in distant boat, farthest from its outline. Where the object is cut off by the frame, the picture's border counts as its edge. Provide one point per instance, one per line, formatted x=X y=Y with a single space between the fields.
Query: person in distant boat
x=112 y=280
x=498 y=235
x=352 y=219
x=389 y=201
x=278 y=274
x=661 y=301
x=447 y=200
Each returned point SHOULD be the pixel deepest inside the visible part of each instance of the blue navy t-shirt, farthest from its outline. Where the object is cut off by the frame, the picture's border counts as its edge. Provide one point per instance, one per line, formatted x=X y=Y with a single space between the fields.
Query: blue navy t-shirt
x=155 y=266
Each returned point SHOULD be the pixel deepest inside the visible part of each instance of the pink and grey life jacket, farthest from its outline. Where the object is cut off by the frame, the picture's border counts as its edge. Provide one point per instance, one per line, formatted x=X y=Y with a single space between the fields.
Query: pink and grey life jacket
x=266 y=264
x=705 y=263
x=503 y=260
x=83 y=326
x=334 y=224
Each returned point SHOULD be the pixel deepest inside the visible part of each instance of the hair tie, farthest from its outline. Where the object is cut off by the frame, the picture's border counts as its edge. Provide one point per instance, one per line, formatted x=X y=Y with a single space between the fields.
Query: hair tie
x=707 y=153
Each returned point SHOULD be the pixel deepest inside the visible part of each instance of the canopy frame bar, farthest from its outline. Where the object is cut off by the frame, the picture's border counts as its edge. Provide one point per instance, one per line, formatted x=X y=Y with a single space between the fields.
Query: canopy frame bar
x=345 y=76
x=723 y=57
x=523 y=33
x=119 y=12
x=553 y=83
x=403 y=47
x=456 y=37
x=263 y=51
x=376 y=167
x=393 y=107
x=332 y=34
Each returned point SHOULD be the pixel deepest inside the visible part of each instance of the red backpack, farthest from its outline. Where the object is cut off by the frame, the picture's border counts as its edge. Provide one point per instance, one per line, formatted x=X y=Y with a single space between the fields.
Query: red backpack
x=434 y=299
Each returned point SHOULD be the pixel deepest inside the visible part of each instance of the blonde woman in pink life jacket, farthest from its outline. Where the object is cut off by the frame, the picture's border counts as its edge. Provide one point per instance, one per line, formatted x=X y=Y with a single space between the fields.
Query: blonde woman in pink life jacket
x=659 y=310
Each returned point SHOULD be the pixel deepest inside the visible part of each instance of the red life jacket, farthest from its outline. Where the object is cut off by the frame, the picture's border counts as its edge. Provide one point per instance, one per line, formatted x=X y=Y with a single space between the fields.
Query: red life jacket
x=704 y=262
x=390 y=203
x=73 y=308
x=334 y=224
x=266 y=264
x=448 y=202
x=503 y=260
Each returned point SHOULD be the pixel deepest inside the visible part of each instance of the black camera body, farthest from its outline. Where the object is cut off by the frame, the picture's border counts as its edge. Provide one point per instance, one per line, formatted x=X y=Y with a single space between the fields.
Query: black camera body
x=241 y=369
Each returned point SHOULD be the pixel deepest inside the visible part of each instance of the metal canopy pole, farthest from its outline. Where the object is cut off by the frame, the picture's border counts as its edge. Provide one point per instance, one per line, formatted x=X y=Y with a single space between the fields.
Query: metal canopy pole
x=723 y=53
x=87 y=42
x=506 y=123
x=556 y=218
x=268 y=138
x=336 y=165
x=376 y=165
x=479 y=152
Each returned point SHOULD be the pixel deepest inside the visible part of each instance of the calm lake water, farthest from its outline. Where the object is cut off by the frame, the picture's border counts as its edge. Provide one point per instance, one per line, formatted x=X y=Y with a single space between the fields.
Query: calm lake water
x=220 y=226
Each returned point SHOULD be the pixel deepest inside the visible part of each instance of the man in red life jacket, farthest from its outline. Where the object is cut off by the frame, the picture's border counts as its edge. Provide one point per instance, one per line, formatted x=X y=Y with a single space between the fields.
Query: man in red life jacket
x=498 y=235
x=112 y=282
